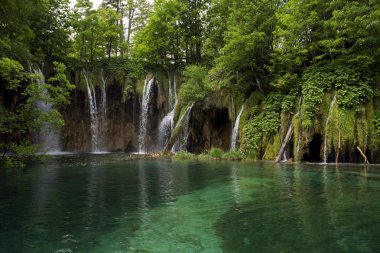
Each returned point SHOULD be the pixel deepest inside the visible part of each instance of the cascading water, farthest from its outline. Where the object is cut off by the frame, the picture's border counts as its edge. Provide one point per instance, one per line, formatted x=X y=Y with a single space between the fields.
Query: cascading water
x=333 y=101
x=171 y=95
x=103 y=111
x=167 y=123
x=47 y=138
x=235 y=129
x=93 y=115
x=165 y=129
x=146 y=98
x=284 y=157
x=98 y=116
x=181 y=143
x=299 y=130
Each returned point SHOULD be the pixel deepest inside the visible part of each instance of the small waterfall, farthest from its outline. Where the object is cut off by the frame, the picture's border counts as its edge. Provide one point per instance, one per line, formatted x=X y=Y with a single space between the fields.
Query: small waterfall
x=171 y=95
x=146 y=98
x=181 y=143
x=93 y=114
x=326 y=126
x=235 y=129
x=165 y=129
x=299 y=130
x=47 y=137
x=284 y=157
x=103 y=111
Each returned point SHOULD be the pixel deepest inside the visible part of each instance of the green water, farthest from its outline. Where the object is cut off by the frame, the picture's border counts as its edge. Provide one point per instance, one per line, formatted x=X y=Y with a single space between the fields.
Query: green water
x=99 y=203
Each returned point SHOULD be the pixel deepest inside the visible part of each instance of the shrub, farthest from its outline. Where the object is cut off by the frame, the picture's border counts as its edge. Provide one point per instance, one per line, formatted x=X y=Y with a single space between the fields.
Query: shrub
x=184 y=155
x=216 y=153
x=233 y=155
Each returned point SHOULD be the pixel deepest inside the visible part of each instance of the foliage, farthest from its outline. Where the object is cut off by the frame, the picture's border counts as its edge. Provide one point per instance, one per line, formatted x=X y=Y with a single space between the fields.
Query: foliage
x=350 y=78
x=96 y=33
x=184 y=155
x=288 y=103
x=195 y=86
x=247 y=43
x=376 y=122
x=122 y=66
x=215 y=153
x=266 y=123
x=233 y=155
x=173 y=33
x=19 y=116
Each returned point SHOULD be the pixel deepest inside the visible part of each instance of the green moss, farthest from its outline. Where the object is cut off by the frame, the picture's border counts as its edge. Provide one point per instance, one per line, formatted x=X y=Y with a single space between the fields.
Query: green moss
x=361 y=132
x=140 y=86
x=265 y=124
x=347 y=125
x=296 y=131
x=272 y=147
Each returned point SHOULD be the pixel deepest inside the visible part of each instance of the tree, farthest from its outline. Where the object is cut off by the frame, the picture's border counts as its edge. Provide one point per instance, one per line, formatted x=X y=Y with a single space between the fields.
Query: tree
x=96 y=33
x=248 y=44
x=50 y=24
x=19 y=116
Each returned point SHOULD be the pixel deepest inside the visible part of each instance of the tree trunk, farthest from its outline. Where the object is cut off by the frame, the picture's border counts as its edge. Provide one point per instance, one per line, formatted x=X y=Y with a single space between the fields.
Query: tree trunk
x=285 y=143
x=363 y=155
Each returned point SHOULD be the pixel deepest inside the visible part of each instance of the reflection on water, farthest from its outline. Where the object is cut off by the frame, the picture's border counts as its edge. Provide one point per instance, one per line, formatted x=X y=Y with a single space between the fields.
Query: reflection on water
x=100 y=203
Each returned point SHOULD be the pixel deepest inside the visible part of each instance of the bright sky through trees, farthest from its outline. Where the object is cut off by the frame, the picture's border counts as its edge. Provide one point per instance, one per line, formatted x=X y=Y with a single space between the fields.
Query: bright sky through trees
x=96 y=3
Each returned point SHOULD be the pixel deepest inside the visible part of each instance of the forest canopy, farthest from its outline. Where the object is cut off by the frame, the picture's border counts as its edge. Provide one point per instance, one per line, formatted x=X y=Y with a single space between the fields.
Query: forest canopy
x=283 y=49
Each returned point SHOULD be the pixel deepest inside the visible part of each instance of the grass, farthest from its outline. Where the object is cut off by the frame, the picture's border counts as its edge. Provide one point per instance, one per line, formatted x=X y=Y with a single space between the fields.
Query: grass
x=212 y=154
x=184 y=155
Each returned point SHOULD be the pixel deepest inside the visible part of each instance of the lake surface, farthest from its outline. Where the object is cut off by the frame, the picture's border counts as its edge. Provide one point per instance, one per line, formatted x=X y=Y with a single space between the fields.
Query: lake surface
x=100 y=203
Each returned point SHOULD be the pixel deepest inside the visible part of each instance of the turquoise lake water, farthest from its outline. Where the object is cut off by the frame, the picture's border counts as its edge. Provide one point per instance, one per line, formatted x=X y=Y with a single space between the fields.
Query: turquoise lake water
x=100 y=203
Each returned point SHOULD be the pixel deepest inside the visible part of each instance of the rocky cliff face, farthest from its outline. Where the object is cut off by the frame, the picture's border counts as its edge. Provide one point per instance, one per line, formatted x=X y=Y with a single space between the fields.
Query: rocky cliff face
x=209 y=127
x=120 y=124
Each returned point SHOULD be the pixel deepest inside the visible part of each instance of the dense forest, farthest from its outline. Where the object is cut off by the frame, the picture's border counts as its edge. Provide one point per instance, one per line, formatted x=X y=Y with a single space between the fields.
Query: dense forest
x=305 y=73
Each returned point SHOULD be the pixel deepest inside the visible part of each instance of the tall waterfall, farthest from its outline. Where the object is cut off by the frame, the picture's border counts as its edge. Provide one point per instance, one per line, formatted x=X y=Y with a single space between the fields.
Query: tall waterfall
x=167 y=123
x=326 y=126
x=98 y=116
x=235 y=129
x=181 y=143
x=47 y=137
x=146 y=98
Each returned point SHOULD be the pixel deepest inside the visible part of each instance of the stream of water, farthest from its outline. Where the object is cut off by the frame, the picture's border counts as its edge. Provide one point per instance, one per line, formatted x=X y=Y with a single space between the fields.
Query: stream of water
x=144 y=117
x=235 y=129
x=326 y=137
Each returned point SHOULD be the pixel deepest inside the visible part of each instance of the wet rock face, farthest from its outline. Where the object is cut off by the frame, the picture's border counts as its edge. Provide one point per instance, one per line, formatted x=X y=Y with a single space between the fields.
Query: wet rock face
x=121 y=117
x=209 y=127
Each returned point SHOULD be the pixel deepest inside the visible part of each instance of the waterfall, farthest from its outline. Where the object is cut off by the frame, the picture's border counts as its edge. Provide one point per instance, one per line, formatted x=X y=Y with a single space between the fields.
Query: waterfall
x=171 y=98
x=299 y=131
x=146 y=98
x=235 y=129
x=103 y=111
x=94 y=127
x=165 y=129
x=98 y=116
x=326 y=126
x=181 y=143
x=167 y=123
x=285 y=159
x=175 y=88
x=47 y=137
